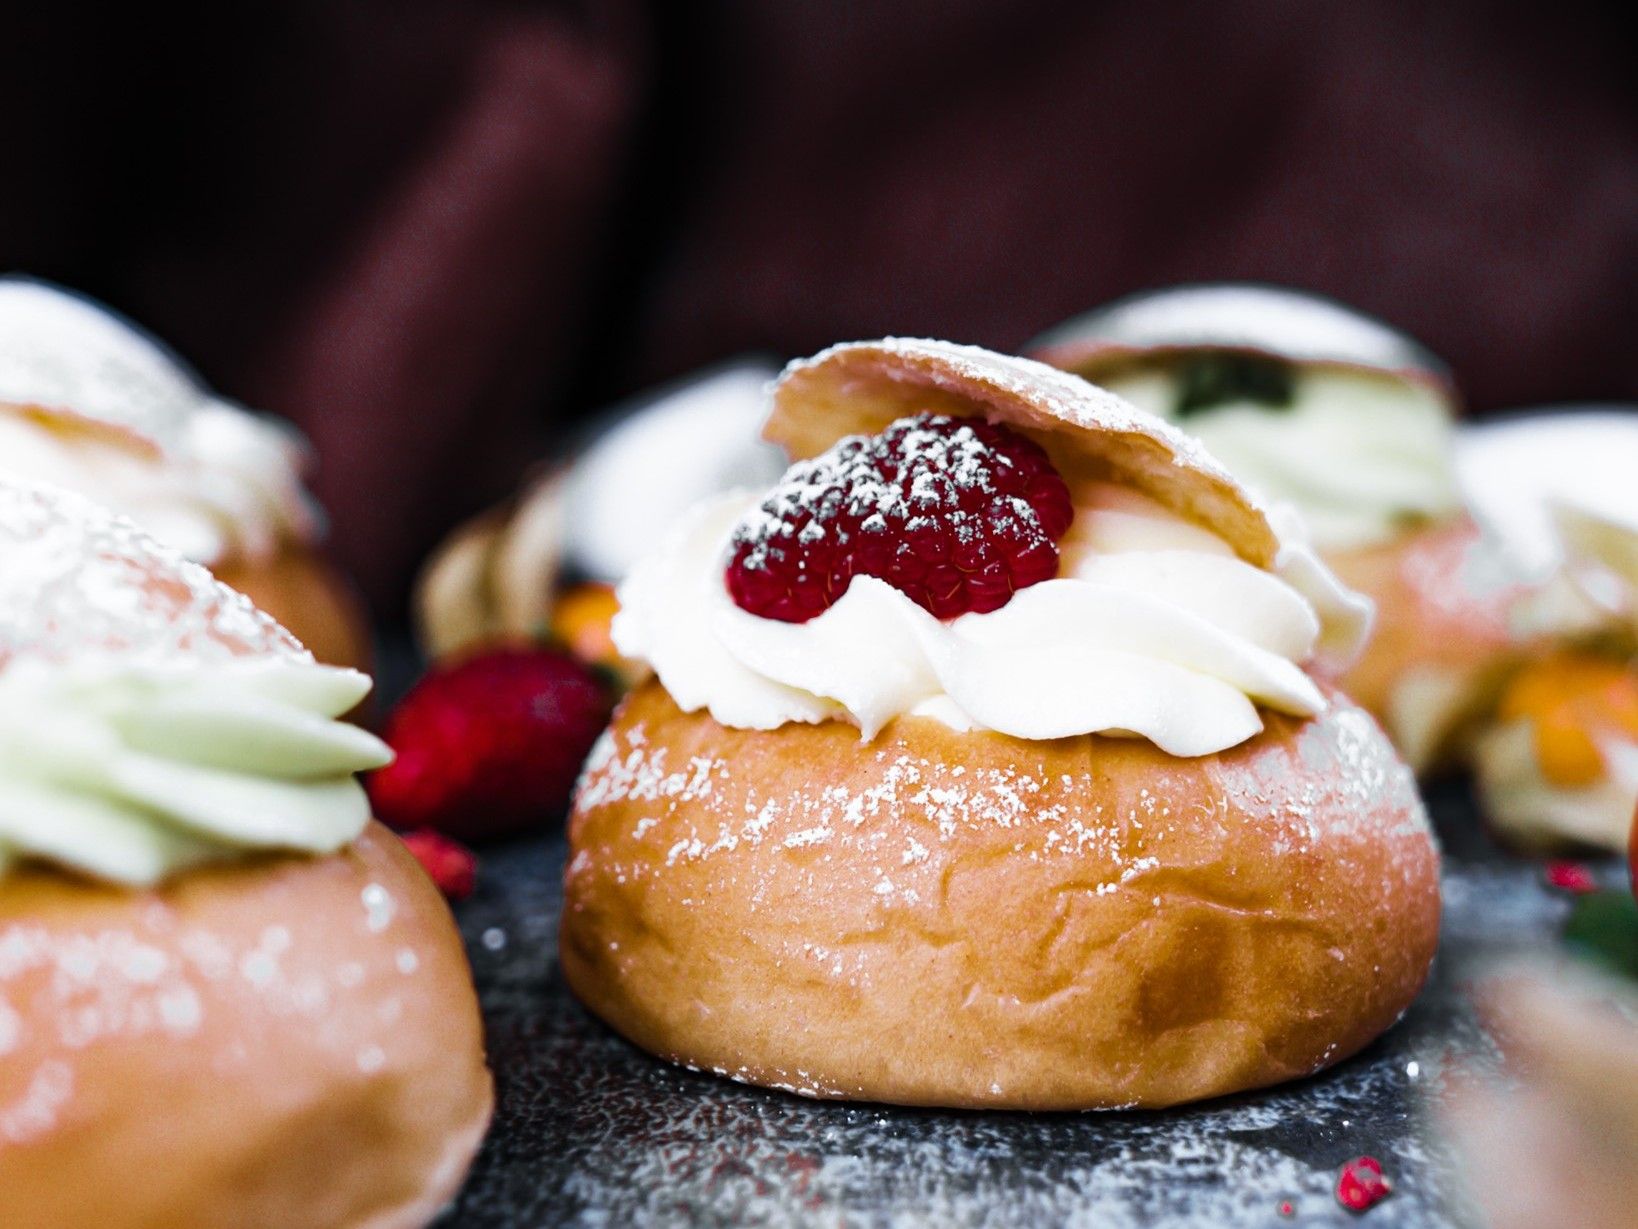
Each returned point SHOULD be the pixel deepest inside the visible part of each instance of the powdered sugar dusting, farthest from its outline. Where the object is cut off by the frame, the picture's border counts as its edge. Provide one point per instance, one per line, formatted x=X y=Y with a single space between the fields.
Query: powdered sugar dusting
x=1058 y=393
x=129 y=976
x=957 y=513
x=851 y=479
x=686 y=1154
x=1337 y=785
x=76 y=579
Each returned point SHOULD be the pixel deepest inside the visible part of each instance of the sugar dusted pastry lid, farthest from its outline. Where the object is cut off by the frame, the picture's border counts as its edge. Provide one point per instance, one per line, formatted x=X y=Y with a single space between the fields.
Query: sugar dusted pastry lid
x=65 y=357
x=1238 y=316
x=211 y=475
x=76 y=579
x=861 y=387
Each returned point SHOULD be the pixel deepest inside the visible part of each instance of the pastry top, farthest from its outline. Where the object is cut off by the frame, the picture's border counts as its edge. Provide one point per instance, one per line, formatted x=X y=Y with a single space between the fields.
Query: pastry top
x=860 y=387
x=150 y=717
x=91 y=402
x=63 y=354
x=1252 y=318
x=1303 y=399
x=1179 y=603
x=78 y=579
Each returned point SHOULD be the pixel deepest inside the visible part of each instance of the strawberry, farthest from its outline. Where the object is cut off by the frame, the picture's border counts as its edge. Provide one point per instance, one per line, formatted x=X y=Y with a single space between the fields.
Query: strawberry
x=491 y=745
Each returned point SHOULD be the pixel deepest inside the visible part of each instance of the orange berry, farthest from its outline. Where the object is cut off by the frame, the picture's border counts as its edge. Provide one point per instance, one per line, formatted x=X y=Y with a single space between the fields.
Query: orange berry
x=581 y=619
x=1572 y=701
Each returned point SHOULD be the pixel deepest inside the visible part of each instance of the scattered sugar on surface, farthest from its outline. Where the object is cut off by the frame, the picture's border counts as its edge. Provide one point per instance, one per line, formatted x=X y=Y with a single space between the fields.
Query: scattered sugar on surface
x=675 y=1152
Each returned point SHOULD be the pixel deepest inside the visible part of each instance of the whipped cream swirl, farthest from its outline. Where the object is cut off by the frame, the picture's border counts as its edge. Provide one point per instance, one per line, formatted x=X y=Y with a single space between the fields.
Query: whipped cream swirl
x=1362 y=455
x=1153 y=628
x=128 y=770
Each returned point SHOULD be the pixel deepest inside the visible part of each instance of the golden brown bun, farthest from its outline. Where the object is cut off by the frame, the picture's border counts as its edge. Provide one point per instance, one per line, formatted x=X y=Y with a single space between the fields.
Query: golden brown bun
x=1440 y=648
x=308 y=596
x=974 y=920
x=286 y=1042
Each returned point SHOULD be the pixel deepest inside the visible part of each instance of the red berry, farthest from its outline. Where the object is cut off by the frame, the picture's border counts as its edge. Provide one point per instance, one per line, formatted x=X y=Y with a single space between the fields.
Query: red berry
x=490 y=745
x=957 y=513
x=1361 y=1184
x=449 y=864
x=1570 y=877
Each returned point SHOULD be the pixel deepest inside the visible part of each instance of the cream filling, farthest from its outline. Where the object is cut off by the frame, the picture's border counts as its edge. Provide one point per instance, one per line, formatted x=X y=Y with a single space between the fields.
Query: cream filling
x=1360 y=454
x=1154 y=628
x=230 y=488
x=128 y=772
x=1521 y=801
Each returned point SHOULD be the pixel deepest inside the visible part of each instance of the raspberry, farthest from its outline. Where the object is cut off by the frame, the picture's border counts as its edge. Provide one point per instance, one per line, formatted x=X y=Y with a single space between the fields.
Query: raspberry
x=1361 y=1184
x=956 y=513
x=448 y=863
x=1572 y=877
x=491 y=745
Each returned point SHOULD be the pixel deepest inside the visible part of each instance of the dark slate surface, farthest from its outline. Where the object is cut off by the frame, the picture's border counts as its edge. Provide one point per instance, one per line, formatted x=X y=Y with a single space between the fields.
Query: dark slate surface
x=591 y=1131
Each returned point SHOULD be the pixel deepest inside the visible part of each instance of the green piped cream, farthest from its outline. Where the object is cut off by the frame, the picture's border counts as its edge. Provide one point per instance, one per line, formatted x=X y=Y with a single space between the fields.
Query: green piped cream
x=1363 y=455
x=130 y=772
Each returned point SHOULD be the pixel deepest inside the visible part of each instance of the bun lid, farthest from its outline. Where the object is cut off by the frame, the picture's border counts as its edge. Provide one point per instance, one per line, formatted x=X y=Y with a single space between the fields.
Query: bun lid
x=69 y=360
x=1091 y=434
x=1272 y=321
x=78 y=580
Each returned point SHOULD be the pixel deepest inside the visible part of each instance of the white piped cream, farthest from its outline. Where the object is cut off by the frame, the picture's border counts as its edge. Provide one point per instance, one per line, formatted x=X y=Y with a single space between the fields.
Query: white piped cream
x=1153 y=628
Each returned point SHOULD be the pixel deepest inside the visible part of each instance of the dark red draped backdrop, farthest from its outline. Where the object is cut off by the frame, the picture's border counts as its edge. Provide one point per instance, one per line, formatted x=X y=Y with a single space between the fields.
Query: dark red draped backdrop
x=431 y=231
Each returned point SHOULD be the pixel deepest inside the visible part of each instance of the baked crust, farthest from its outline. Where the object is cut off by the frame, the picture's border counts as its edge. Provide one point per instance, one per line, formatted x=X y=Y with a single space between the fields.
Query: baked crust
x=306 y=594
x=1441 y=646
x=285 y=1041
x=1277 y=322
x=968 y=919
x=1091 y=434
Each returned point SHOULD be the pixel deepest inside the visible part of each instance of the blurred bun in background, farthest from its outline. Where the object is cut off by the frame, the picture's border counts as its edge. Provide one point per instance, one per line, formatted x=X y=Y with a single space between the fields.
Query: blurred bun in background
x=90 y=402
x=432 y=236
